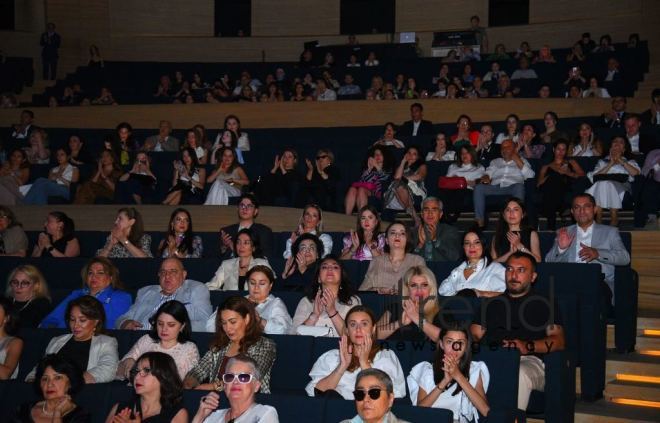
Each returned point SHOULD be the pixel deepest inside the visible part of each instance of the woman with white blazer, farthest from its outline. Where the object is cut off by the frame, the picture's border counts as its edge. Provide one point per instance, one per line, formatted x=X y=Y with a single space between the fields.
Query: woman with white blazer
x=86 y=346
x=231 y=275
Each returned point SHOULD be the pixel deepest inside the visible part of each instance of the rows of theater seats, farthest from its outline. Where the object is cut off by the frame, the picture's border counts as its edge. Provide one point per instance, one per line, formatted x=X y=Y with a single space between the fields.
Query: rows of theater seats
x=136 y=82
x=576 y=288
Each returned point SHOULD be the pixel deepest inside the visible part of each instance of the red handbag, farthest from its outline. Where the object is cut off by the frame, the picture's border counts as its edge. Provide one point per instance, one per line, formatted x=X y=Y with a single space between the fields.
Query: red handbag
x=452 y=182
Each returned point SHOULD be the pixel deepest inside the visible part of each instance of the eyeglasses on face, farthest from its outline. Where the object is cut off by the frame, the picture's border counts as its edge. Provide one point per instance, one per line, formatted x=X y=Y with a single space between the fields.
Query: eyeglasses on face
x=244 y=206
x=374 y=394
x=242 y=377
x=22 y=284
x=142 y=372
x=307 y=248
x=322 y=156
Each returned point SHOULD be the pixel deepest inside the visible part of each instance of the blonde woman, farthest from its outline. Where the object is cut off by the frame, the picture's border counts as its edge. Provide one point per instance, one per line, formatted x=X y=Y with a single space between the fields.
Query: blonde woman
x=401 y=321
x=28 y=290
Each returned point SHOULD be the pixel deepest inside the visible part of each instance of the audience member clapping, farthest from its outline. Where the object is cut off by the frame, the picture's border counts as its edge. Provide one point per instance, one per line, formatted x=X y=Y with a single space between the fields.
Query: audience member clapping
x=58 y=238
x=101 y=187
x=228 y=178
x=158 y=392
x=335 y=372
x=127 y=237
x=513 y=233
x=385 y=271
x=179 y=240
x=188 y=180
x=452 y=381
x=301 y=268
x=366 y=241
x=37 y=150
x=137 y=186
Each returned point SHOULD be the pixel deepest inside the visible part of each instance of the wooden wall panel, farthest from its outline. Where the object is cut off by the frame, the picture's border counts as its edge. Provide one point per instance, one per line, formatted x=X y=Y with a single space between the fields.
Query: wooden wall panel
x=295 y=17
x=312 y=114
x=436 y=15
x=171 y=17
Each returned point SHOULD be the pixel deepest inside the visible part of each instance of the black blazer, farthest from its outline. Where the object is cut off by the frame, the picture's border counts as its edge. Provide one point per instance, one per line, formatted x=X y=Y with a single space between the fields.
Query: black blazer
x=485 y=156
x=425 y=130
x=262 y=233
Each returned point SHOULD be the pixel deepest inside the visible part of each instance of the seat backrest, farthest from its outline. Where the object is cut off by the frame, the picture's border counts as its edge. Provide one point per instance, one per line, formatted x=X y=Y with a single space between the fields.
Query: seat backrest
x=294 y=361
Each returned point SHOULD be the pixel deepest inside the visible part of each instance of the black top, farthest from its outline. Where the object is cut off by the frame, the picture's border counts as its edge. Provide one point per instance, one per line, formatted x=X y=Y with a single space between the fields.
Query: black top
x=31 y=313
x=300 y=281
x=59 y=245
x=262 y=233
x=77 y=351
x=504 y=246
x=528 y=317
x=166 y=414
x=328 y=186
x=409 y=332
x=23 y=414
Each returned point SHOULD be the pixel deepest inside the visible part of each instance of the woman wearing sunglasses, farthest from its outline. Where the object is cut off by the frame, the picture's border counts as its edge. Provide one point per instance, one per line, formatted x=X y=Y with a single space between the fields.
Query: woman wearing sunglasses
x=374 y=396
x=453 y=381
x=158 y=393
x=334 y=373
x=242 y=381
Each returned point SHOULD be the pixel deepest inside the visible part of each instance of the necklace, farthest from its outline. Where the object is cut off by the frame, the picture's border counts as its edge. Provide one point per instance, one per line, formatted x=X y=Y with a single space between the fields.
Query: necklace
x=27 y=304
x=45 y=412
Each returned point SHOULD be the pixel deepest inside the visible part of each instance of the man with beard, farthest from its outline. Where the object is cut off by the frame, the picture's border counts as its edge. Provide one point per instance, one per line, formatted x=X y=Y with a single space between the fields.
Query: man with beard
x=522 y=319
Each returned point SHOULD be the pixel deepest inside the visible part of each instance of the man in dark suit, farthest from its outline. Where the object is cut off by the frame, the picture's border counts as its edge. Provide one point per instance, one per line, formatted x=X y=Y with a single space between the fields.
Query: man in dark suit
x=248 y=209
x=50 y=44
x=651 y=116
x=416 y=129
x=487 y=149
x=640 y=144
x=164 y=141
x=614 y=117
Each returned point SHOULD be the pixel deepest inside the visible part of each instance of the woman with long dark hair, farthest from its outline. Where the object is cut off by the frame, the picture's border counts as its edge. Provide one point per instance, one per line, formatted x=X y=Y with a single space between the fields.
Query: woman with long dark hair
x=376 y=171
x=11 y=346
x=188 y=181
x=158 y=392
x=180 y=240
x=237 y=331
x=366 y=241
x=228 y=178
x=323 y=309
x=408 y=188
x=513 y=233
x=58 y=238
x=453 y=381
x=334 y=372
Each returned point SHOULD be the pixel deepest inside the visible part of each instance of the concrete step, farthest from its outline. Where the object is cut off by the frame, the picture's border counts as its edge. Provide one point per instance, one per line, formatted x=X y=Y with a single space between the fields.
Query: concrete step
x=644 y=341
x=633 y=390
x=38 y=87
x=603 y=411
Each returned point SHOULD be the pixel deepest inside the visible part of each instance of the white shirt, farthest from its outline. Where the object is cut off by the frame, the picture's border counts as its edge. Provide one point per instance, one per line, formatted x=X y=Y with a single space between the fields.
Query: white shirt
x=617 y=168
x=384 y=360
x=257 y=413
x=580 y=151
x=272 y=310
x=505 y=136
x=468 y=171
x=421 y=376
x=416 y=128
x=67 y=175
x=449 y=156
x=634 y=143
x=484 y=278
x=582 y=237
x=305 y=308
x=610 y=75
x=504 y=173
x=327 y=95
x=326 y=240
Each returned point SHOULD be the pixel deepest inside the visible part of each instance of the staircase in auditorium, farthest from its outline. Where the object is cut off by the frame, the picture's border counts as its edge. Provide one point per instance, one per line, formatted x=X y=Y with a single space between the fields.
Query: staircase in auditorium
x=632 y=393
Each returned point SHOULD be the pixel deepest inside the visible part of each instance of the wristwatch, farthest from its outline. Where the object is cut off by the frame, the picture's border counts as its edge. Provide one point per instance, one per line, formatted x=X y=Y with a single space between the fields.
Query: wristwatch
x=126 y=243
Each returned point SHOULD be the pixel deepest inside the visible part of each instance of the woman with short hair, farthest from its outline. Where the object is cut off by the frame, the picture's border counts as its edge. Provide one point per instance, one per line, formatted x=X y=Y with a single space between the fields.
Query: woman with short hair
x=374 y=397
x=28 y=290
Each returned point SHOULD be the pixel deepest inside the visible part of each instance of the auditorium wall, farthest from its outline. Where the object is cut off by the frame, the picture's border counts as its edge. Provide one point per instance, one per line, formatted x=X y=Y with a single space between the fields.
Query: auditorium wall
x=181 y=30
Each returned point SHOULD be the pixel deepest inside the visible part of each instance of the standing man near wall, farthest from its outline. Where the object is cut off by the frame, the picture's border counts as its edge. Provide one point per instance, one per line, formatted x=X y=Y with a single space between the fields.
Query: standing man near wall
x=50 y=43
x=480 y=33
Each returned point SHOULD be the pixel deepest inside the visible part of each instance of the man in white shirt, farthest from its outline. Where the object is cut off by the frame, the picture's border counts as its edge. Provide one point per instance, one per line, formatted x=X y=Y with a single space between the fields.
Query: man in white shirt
x=504 y=176
x=323 y=93
x=640 y=144
x=22 y=130
x=573 y=244
x=524 y=72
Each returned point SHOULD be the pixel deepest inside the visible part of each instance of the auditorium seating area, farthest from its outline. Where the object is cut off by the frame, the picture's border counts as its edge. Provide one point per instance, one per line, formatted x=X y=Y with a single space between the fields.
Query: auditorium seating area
x=137 y=82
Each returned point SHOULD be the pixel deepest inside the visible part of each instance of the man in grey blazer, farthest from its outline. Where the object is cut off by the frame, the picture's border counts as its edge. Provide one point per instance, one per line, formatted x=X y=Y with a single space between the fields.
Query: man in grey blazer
x=173 y=286
x=163 y=141
x=588 y=241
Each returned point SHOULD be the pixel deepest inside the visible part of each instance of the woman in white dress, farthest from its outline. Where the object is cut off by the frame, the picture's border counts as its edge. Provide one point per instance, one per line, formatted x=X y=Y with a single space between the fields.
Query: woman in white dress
x=228 y=178
x=11 y=347
x=229 y=139
x=612 y=177
x=242 y=381
x=467 y=166
x=334 y=373
x=586 y=144
x=453 y=381
x=475 y=276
